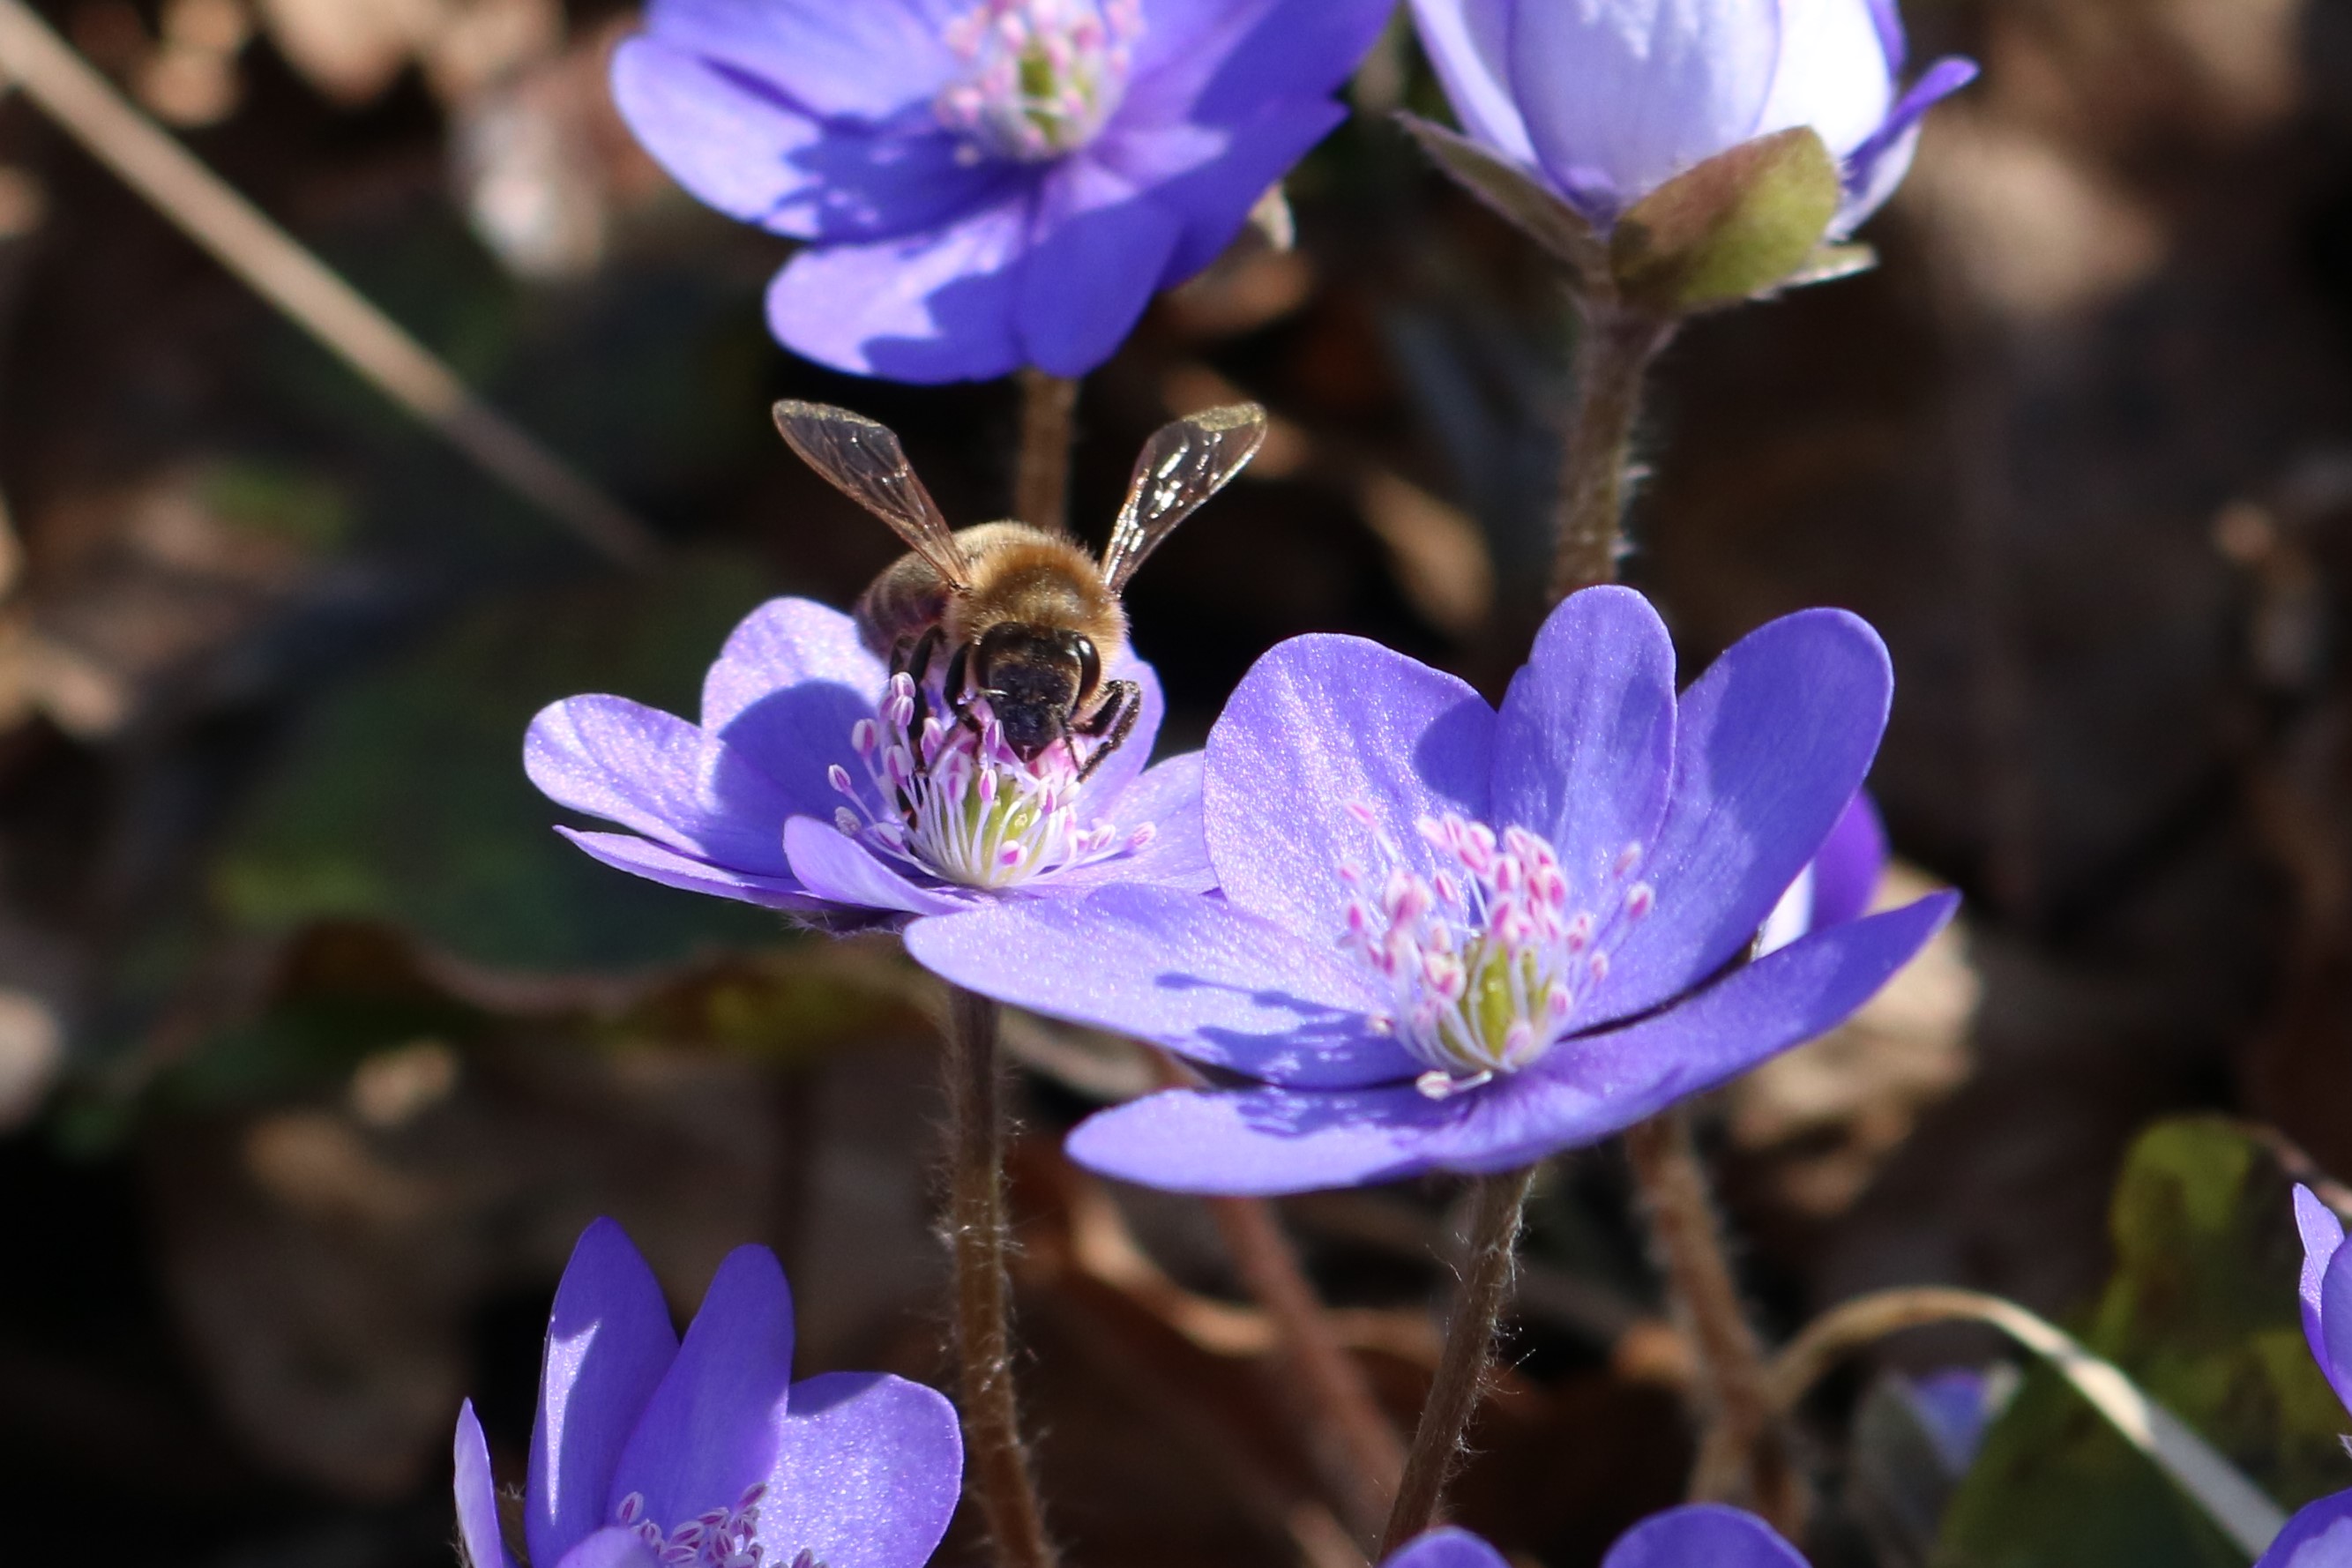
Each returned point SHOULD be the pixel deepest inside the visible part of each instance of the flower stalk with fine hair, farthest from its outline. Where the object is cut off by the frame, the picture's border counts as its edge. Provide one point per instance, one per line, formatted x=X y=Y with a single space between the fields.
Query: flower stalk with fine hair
x=985 y=185
x=1456 y=939
x=647 y=1452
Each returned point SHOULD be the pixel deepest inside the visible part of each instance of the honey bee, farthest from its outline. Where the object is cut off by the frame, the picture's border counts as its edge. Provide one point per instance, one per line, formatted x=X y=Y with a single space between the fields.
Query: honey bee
x=1029 y=620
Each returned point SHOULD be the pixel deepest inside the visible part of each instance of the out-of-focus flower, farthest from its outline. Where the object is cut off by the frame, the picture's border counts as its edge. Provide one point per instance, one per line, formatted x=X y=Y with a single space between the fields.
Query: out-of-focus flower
x=985 y=184
x=819 y=784
x=1700 y=1535
x=2320 y=1535
x=1605 y=101
x=1455 y=940
x=705 y=1454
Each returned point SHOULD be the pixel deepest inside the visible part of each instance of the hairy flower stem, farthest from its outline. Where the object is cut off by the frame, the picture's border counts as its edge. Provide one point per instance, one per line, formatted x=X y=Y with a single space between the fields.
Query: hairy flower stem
x=1487 y=1274
x=1354 y=1448
x=1741 y=1457
x=1613 y=351
x=1041 y=484
x=998 y=1464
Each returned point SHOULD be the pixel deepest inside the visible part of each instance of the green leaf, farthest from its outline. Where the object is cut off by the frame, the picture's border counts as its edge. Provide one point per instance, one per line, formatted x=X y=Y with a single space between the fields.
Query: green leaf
x=1517 y=196
x=1735 y=226
x=2201 y=1313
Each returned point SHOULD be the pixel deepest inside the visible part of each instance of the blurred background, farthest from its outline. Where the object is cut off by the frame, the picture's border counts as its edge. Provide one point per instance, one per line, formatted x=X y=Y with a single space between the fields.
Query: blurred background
x=318 y=1047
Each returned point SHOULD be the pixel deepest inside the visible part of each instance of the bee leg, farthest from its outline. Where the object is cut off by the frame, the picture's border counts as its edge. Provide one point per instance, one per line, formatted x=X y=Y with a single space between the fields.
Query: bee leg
x=915 y=659
x=959 y=671
x=1111 y=723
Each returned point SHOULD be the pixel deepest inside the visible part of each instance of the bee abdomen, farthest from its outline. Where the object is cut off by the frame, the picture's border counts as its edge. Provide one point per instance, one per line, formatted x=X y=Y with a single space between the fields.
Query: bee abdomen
x=906 y=601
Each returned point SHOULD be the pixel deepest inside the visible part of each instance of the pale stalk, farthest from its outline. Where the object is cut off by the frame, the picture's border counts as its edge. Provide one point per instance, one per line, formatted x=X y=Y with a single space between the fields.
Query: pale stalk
x=997 y=1464
x=1041 y=479
x=1463 y=1365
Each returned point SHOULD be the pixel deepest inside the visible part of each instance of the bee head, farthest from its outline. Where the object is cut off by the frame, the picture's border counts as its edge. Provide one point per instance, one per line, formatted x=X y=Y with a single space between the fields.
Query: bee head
x=1035 y=679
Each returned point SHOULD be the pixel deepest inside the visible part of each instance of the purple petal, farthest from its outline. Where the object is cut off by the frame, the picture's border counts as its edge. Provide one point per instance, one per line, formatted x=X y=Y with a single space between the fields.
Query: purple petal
x=836 y=869
x=868 y=1476
x=1833 y=74
x=1850 y=866
x=609 y=1342
x=659 y=775
x=1698 y=1534
x=734 y=143
x=1877 y=166
x=1770 y=745
x=1168 y=799
x=1956 y=1408
x=1317 y=725
x=1887 y=18
x=1098 y=248
x=639 y=858
x=1638 y=91
x=2322 y=1234
x=866 y=61
x=1224 y=62
x=711 y=1428
x=2318 y=1536
x=1590 y=1088
x=478 y=1497
x=1210 y=177
x=1445 y=1548
x=1190 y=973
x=1467 y=44
x=1263 y=1142
x=2335 y=1323
x=928 y=307
x=1585 y=742
x=610 y=1548
x=786 y=691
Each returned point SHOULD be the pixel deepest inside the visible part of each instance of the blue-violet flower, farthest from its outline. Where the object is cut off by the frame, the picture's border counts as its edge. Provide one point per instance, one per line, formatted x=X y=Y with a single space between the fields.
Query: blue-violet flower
x=984 y=183
x=1450 y=939
x=1699 y=1535
x=819 y=785
x=1604 y=100
x=649 y=1452
x=2320 y=1534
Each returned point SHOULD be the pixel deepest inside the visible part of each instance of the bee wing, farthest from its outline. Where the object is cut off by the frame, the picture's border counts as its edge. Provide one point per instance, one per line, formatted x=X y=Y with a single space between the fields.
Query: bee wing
x=1182 y=466
x=864 y=462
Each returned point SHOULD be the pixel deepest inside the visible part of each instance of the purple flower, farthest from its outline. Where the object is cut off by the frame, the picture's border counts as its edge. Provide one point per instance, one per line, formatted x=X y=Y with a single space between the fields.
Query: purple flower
x=1700 y=1535
x=705 y=1454
x=818 y=784
x=1455 y=940
x=984 y=183
x=2320 y=1535
x=1604 y=100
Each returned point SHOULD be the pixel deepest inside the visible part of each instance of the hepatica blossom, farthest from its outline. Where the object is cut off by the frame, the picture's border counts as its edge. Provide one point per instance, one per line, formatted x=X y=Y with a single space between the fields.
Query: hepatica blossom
x=1454 y=938
x=646 y=1451
x=984 y=183
x=1701 y=1535
x=1607 y=100
x=818 y=784
x=2320 y=1536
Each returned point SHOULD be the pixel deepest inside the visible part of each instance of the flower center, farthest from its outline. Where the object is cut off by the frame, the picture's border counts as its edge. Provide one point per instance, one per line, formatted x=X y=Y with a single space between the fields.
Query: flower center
x=1039 y=75
x=952 y=800
x=1487 y=957
x=721 y=1538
